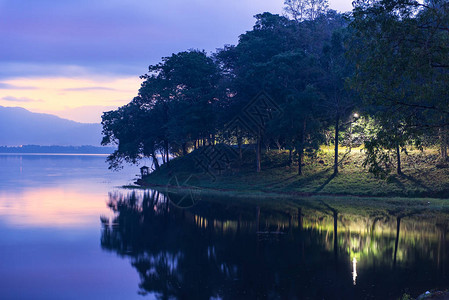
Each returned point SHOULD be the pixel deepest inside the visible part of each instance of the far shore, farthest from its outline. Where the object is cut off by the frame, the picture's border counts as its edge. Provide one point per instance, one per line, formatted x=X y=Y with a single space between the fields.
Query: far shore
x=56 y=150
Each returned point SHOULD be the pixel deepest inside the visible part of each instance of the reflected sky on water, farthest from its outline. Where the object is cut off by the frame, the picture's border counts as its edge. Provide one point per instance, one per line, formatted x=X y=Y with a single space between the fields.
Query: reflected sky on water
x=50 y=208
x=68 y=232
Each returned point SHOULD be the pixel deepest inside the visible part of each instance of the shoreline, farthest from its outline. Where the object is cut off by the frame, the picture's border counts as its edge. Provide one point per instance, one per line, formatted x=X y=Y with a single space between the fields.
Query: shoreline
x=401 y=206
x=146 y=185
x=417 y=185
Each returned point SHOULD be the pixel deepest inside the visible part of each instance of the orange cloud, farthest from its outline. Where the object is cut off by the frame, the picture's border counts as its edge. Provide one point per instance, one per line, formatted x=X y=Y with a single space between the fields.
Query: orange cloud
x=66 y=97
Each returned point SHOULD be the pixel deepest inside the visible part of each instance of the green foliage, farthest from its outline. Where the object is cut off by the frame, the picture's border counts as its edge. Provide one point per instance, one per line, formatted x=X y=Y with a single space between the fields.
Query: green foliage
x=379 y=160
x=176 y=105
x=401 y=54
x=406 y=297
x=391 y=65
x=421 y=179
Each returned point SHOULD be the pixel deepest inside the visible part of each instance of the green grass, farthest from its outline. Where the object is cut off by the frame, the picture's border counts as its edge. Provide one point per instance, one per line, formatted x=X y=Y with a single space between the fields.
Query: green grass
x=422 y=177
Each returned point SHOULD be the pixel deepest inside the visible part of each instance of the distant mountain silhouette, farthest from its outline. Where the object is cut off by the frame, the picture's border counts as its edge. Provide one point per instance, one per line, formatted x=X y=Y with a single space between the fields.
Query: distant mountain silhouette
x=19 y=126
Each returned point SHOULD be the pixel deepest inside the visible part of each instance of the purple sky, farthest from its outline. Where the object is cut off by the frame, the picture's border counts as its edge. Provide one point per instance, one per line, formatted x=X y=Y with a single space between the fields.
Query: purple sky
x=117 y=39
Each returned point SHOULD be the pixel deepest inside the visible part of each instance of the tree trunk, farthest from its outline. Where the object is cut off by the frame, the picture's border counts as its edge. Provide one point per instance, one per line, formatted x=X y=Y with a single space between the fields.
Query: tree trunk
x=163 y=156
x=398 y=155
x=239 y=144
x=444 y=152
x=290 y=157
x=301 y=148
x=337 y=132
x=300 y=159
x=155 y=161
x=443 y=143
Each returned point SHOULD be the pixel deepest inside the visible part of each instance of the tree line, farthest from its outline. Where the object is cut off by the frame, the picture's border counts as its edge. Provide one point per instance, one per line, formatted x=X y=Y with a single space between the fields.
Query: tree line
x=376 y=77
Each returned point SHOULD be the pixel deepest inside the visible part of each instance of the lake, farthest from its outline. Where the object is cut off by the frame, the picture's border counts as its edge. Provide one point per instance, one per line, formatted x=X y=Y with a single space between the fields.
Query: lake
x=68 y=231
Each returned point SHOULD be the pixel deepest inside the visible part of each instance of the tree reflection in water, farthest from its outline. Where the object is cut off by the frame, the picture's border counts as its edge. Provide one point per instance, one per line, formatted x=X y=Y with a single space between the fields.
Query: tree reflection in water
x=229 y=250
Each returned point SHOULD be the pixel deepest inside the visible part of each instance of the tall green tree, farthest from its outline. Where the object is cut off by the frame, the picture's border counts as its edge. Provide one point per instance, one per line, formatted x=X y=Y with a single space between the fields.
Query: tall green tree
x=174 y=108
x=326 y=34
x=401 y=52
x=339 y=101
x=249 y=64
x=137 y=133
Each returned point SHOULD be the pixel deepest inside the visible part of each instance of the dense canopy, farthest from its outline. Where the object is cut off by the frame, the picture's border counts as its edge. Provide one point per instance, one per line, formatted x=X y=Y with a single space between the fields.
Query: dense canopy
x=374 y=78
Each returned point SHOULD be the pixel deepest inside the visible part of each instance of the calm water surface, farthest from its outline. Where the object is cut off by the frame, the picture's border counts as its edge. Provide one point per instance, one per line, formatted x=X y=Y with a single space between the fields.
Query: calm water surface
x=50 y=208
x=68 y=232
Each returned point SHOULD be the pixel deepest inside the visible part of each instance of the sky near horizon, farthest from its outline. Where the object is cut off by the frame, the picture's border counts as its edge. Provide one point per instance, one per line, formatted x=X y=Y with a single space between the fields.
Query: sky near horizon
x=78 y=58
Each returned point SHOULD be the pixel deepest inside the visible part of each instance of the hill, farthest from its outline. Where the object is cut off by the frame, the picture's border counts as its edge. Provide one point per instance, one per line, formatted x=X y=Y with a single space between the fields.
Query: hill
x=19 y=126
x=422 y=175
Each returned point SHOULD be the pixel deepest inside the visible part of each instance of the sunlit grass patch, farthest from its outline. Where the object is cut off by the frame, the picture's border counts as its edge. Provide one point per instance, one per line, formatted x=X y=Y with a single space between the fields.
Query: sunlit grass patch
x=421 y=176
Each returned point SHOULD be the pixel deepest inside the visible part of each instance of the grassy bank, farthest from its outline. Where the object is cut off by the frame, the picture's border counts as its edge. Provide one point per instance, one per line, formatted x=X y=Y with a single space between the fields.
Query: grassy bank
x=423 y=176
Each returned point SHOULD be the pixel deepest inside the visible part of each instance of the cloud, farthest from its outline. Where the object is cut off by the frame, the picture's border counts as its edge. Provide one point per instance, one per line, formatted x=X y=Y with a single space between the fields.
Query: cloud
x=21 y=99
x=75 y=37
x=90 y=88
x=12 y=70
x=84 y=114
x=7 y=86
x=122 y=37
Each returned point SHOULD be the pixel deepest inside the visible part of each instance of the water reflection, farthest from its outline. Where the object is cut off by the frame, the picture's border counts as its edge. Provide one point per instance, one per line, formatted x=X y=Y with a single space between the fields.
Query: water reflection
x=55 y=190
x=50 y=207
x=228 y=250
x=49 y=235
